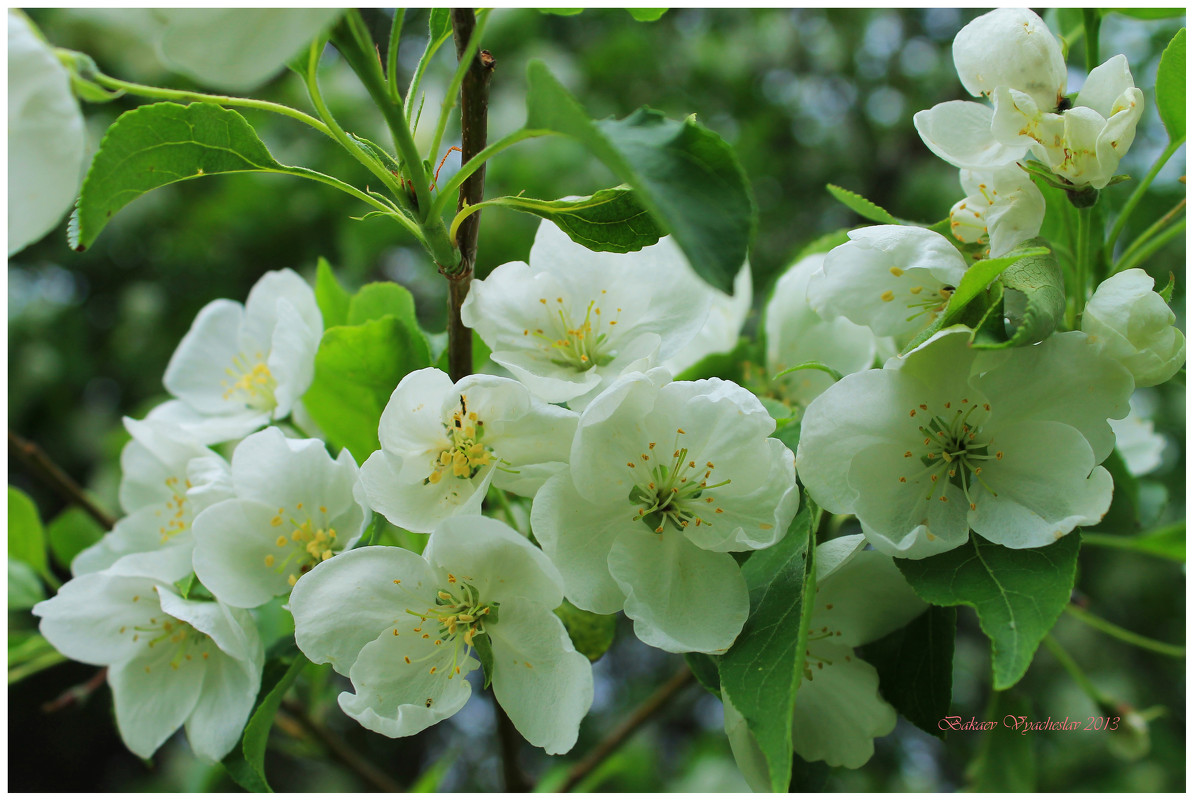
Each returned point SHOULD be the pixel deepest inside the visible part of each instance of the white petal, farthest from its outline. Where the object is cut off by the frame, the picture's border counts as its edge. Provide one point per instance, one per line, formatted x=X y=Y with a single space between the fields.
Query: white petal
x=226 y=699
x=727 y=314
x=1011 y=47
x=413 y=419
x=85 y=619
x=153 y=698
x=209 y=429
x=197 y=372
x=544 y=685
x=681 y=598
x=414 y=505
x=232 y=630
x=1105 y=85
x=45 y=136
x=959 y=132
x=1134 y=325
x=865 y=599
x=577 y=536
x=834 y=553
x=236 y=556
x=271 y=469
x=839 y=712
x=498 y=561
x=291 y=358
x=347 y=602
x=1137 y=442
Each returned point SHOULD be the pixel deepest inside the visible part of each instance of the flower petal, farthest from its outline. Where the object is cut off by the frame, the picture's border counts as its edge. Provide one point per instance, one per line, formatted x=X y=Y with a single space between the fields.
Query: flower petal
x=153 y=697
x=959 y=132
x=498 y=561
x=865 y=599
x=92 y=617
x=226 y=699
x=839 y=711
x=197 y=369
x=236 y=556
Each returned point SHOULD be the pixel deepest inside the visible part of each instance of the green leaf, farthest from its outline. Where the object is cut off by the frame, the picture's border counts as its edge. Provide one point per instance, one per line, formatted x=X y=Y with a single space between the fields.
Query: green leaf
x=1005 y=762
x=382 y=299
x=26 y=538
x=647 y=14
x=1033 y=299
x=684 y=174
x=591 y=634
x=24 y=587
x=246 y=762
x=789 y=434
x=332 y=298
x=861 y=206
x=704 y=667
x=1167 y=292
x=71 y=532
x=1171 y=87
x=430 y=780
x=1018 y=593
x=1167 y=542
x=732 y=365
x=356 y=370
x=808 y=777
x=561 y=12
x=439 y=24
x=761 y=672
x=611 y=220
x=1146 y=13
x=915 y=666
x=160 y=144
x=29 y=653
x=1124 y=515
x=975 y=280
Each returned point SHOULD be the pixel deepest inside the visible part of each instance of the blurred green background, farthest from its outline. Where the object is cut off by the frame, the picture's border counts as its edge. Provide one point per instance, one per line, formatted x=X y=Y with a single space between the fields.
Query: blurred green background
x=806 y=97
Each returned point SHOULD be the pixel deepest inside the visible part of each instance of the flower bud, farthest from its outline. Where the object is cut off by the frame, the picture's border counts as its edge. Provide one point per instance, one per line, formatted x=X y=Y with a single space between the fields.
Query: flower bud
x=1134 y=326
x=1011 y=47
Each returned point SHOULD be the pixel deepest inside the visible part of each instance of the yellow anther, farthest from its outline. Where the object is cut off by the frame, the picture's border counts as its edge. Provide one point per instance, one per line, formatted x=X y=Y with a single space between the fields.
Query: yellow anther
x=896 y=271
x=269 y=560
x=887 y=296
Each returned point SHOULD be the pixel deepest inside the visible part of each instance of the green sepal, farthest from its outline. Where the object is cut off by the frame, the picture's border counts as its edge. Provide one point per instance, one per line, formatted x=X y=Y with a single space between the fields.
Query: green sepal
x=484 y=650
x=591 y=634
x=1167 y=293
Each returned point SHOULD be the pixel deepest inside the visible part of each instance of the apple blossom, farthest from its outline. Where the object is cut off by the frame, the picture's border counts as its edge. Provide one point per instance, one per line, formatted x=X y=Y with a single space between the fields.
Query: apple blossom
x=1137 y=441
x=1002 y=208
x=665 y=478
x=443 y=444
x=948 y=439
x=1134 y=326
x=239 y=367
x=796 y=334
x=893 y=279
x=1011 y=47
x=401 y=627
x=166 y=479
x=573 y=320
x=727 y=314
x=294 y=508
x=171 y=662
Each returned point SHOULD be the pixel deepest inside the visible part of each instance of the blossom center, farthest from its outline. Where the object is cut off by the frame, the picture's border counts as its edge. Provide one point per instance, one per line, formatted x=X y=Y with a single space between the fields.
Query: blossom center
x=250 y=382
x=458 y=617
x=953 y=447
x=919 y=301
x=162 y=630
x=580 y=345
x=308 y=543
x=672 y=491
x=465 y=453
x=177 y=519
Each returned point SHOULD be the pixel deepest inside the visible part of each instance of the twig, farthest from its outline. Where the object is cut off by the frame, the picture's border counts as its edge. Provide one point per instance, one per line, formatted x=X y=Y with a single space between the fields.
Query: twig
x=474 y=114
x=75 y=694
x=366 y=770
x=614 y=740
x=513 y=779
x=36 y=460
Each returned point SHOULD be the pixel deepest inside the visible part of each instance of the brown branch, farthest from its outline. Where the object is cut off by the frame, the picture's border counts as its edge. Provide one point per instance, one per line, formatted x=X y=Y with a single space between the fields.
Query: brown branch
x=474 y=114
x=34 y=458
x=344 y=754
x=513 y=778
x=616 y=738
x=75 y=694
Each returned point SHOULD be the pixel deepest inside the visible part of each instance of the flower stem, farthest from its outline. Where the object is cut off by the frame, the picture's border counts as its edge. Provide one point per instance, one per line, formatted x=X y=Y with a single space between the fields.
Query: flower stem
x=1066 y=661
x=1147 y=243
x=36 y=459
x=1082 y=267
x=1090 y=22
x=1137 y=194
x=466 y=61
x=468 y=166
x=392 y=55
x=1130 y=637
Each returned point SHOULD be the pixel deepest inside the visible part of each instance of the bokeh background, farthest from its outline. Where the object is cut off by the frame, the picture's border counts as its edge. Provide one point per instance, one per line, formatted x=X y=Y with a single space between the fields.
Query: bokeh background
x=807 y=97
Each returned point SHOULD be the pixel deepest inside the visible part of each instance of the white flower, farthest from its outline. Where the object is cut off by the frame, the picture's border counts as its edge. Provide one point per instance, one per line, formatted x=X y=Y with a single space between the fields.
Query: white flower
x=294 y=508
x=240 y=367
x=171 y=662
x=796 y=334
x=400 y=626
x=1002 y=208
x=948 y=439
x=45 y=136
x=167 y=478
x=1134 y=325
x=1011 y=47
x=893 y=279
x=727 y=314
x=664 y=480
x=442 y=444
x=861 y=597
x=573 y=320
x=1137 y=441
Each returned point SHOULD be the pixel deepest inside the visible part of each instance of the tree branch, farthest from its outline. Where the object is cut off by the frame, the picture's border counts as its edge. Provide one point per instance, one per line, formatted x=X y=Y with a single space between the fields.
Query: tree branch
x=344 y=754
x=34 y=458
x=73 y=695
x=513 y=778
x=616 y=738
x=474 y=113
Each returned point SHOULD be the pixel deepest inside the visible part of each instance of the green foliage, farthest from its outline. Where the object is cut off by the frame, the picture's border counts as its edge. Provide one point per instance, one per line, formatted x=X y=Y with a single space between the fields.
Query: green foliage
x=246 y=763
x=761 y=672
x=647 y=14
x=915 y=666
x=1018 y=593
x=685 y=174
x=483 y=647
x=861 y=206
x=24 y=587
x=332 y=298
x=611 y=220
x=380 y=300
x=1146 y=13
x=730 y=365
x=823 y=243
x=356 y=370
x=71 y=532
x=591 y=634
x=1005 y=762
x=1033 y=298
x=26 y=538
x=1124 y=515
x=1166 y=542
x=1171 y=87
x=160 y=144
